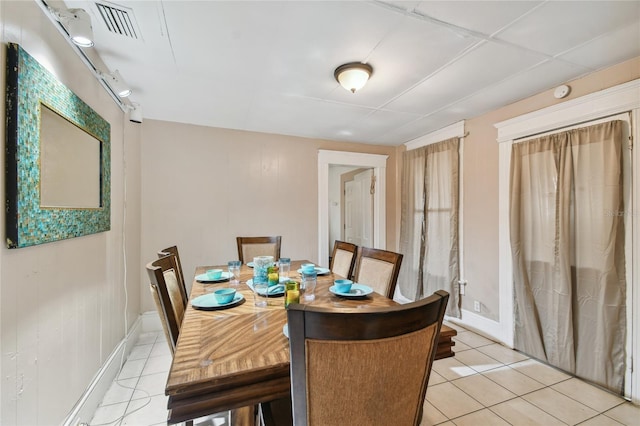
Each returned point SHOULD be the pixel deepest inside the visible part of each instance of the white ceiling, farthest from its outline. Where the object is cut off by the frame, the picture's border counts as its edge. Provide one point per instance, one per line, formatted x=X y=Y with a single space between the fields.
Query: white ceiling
x=268 y=66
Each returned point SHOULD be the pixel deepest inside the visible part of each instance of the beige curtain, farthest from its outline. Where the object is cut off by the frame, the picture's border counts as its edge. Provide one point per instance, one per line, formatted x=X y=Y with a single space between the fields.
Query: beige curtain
x=429 y=241
x=567 y=242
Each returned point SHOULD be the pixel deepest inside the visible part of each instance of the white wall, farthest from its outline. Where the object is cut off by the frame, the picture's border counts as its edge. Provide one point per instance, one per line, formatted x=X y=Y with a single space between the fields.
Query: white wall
x=62 y=304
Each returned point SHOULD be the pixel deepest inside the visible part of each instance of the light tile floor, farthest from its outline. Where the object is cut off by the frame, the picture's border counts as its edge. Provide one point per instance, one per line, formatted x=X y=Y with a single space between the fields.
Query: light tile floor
x=484 y=384
x=137 y=397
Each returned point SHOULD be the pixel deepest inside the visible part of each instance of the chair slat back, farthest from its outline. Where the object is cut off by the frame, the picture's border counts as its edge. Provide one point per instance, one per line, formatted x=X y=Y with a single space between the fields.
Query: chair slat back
x=174 y=251
x=343 y=258
x=250 y=247
x=165 y=282
x=378 y=269
x=370 y=367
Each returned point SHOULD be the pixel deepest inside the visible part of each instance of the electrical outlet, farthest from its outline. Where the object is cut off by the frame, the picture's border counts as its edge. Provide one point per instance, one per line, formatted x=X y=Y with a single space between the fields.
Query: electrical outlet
x=476 y=306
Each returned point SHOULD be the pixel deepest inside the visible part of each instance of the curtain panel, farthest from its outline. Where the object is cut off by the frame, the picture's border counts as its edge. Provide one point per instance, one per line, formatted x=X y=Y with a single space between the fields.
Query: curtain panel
x=429 y=223
x=567 y=241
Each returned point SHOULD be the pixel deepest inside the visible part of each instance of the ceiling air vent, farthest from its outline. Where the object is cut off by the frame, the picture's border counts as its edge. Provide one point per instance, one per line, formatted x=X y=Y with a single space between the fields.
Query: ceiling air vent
x=119 y=20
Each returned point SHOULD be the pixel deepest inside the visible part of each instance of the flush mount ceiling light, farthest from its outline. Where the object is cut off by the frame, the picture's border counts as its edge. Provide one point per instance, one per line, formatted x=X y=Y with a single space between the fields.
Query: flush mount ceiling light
x=353 y=76
x=77 y=22
x=117 y=84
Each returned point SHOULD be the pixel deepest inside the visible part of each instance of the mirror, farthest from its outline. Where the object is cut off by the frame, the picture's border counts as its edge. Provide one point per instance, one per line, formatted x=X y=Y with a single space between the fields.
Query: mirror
x=69 y=163
x=57 y=158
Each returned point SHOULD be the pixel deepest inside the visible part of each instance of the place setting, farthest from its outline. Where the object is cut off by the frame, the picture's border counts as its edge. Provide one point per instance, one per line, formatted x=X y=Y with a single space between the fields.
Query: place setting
x=221 y=298
x=349 y=289
x=269 y=278
x=310 y=267
x=274 y=290
x=214 y=276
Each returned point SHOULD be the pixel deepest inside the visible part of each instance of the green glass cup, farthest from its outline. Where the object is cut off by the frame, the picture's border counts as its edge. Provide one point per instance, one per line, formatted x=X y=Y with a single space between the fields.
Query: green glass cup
x=292 y=293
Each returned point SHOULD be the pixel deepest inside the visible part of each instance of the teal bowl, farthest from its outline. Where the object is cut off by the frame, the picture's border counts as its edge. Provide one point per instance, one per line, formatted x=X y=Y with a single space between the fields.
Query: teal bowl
x=308 y=268
x=224 y=295
x=214 y=274
x=343 y=285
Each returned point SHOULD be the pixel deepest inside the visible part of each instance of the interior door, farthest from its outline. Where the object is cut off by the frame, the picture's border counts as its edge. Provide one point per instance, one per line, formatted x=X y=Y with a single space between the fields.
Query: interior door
x=358 y=208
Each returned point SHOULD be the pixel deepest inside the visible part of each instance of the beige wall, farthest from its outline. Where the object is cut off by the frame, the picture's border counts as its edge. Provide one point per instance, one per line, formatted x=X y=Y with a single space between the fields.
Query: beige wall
x=202 y=187
x=480 y=184
x=62 y=304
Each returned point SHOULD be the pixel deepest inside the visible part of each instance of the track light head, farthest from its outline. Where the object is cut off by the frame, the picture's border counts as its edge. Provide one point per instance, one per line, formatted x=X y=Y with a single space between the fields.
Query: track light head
x=117 y=83
x=135 y=113
x=77 y=23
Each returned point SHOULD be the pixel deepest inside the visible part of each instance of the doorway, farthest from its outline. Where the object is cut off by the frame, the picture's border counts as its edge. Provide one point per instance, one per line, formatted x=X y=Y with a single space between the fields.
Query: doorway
x=356 y=207
x=621 y=99
x=378 y=164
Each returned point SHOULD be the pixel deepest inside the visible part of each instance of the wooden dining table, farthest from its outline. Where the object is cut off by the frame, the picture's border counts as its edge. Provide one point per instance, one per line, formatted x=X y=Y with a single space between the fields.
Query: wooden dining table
x=237 y=357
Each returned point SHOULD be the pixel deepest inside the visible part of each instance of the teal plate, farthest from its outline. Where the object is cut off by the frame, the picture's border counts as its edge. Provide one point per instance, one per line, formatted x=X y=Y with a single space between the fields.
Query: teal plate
x=319 y=271
x=208 y=302
x=204 y=279
x=357 y=290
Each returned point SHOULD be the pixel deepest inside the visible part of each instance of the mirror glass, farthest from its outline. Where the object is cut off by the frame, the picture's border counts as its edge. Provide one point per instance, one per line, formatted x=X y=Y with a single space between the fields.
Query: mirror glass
x=69 y=163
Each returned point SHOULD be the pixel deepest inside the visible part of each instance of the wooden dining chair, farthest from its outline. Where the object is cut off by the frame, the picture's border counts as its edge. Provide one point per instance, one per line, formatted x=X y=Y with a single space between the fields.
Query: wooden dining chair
x=174 y=251
x=169 y=296
x=250 y=247
x=343 y=259
x=378 y=269
x=363 y=366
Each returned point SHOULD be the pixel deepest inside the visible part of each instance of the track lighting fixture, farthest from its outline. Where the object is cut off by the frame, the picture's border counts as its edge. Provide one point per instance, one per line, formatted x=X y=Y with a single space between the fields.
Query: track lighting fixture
x=77 y=23
x=117 y=83
x=135 y=113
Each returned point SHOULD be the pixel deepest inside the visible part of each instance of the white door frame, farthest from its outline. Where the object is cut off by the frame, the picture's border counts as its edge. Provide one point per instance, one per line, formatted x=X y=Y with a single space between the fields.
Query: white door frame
x=379 y=165
x=618 y=99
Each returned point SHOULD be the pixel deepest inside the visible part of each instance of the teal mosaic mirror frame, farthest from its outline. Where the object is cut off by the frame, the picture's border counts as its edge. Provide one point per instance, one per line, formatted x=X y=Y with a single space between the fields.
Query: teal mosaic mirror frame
x=30 y=87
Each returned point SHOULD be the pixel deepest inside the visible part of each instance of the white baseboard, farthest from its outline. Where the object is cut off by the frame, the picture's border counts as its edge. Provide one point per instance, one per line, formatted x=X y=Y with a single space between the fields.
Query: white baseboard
x=86 y=406
x=484 y=326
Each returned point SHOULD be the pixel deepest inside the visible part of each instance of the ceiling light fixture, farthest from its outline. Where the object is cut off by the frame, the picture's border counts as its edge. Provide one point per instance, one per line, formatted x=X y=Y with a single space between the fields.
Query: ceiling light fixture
x=117 y=84
x=353 y=76
x=77 y=22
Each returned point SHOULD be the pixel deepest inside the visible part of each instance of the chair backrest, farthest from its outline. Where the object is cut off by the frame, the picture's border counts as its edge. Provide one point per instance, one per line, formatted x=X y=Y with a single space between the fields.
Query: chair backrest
x=363 y=366
x=343 y=258
x=169 y=296
x=378 y=269
x=174 y=251
x=250 y=247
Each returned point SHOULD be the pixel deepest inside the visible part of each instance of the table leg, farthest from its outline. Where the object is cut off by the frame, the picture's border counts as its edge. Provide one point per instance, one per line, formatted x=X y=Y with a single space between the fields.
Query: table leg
x=245 y=416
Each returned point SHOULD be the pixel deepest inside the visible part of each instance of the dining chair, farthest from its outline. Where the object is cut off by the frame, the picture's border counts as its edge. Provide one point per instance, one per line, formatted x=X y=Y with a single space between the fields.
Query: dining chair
x=378 y=269
x=174 y=251
x=250 y=247
x=363 y=366
x=343 y=259
x=169 y=296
